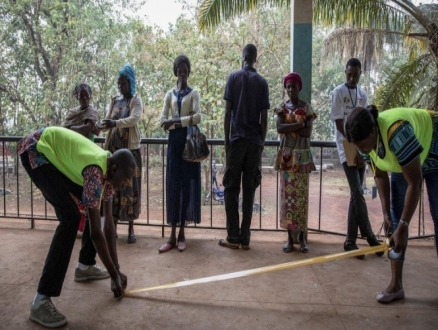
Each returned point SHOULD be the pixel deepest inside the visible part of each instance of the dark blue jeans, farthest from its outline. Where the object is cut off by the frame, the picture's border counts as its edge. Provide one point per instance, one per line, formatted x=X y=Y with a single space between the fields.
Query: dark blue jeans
x=398 y=193
x=243 y=165
x=56 y=188
x=357 y=209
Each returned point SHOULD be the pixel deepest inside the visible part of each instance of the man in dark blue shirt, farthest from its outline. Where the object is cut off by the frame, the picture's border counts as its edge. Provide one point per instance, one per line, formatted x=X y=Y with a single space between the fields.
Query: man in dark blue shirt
x=245 y=125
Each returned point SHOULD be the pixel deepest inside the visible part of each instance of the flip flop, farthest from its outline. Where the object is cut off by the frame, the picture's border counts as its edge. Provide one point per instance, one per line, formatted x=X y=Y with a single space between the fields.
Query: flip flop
x=225 y=243
x=165 y=247
x=182 y=246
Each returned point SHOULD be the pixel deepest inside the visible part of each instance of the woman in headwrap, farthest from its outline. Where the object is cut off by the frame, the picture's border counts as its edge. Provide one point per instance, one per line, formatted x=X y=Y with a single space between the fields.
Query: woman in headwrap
x=183 y=178
x=122 y=119
x=294 y=161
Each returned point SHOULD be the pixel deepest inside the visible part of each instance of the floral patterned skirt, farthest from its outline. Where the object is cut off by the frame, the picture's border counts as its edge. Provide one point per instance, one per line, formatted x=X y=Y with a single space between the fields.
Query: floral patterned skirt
x=294 y=200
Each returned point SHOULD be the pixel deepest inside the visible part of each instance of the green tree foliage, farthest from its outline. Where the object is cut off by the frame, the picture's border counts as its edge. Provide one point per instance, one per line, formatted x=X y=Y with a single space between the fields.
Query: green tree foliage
x=213 y=55
x=376 y=28
x=369 y=28
x=50 y=46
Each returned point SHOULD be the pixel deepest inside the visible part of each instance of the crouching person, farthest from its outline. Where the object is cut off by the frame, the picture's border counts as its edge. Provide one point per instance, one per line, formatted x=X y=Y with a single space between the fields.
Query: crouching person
x=74 y=175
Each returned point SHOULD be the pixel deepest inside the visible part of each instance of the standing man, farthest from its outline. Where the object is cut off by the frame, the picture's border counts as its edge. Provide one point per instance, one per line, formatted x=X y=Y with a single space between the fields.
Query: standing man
x=245 y=124
x=345 y=98
x=74 y=175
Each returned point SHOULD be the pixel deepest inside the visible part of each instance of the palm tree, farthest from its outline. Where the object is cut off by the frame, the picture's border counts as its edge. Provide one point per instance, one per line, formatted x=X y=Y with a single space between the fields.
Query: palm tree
x=368 y=27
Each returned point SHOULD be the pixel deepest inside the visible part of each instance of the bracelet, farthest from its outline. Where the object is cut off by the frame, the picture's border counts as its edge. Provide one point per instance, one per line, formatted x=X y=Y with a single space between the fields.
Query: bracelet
x=403 y=223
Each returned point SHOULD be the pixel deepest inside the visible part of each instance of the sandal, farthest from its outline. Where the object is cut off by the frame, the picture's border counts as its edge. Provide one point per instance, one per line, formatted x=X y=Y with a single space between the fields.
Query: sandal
x=303 y=243
x=182 y=246
x=225 y=243
x=303 y=247
x=166 y=247
x=287 y=248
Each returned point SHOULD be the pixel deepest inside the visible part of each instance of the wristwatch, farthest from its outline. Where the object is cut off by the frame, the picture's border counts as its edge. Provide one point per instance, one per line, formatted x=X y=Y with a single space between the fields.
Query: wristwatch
x=403 y=223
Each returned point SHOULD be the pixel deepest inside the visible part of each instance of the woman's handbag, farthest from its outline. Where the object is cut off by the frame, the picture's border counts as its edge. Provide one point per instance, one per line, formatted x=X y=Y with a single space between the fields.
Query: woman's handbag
x=196 y=148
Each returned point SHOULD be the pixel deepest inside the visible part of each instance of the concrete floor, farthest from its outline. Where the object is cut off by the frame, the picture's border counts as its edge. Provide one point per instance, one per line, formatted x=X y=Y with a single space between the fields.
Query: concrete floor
x=336 y=295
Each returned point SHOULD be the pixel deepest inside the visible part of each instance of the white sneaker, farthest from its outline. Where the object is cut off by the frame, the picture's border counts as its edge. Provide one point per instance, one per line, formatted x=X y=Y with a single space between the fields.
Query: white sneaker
x=46 y=314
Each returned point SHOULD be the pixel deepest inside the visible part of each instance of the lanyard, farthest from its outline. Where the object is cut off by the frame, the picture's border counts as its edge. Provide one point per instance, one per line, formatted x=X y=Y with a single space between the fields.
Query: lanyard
x=355 y=101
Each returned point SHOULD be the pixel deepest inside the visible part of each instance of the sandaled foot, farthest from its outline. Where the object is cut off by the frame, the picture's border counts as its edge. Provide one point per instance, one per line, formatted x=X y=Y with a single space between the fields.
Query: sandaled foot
x=288 y=247
x=182 y=246
x=303 y=243
x=303 y=247
x=132 y=239
x=225 y=243
x=166 y=247
x=386 y=297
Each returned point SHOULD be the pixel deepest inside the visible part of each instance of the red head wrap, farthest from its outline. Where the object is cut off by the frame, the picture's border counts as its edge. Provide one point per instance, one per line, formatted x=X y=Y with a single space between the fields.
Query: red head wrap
x=293 y=77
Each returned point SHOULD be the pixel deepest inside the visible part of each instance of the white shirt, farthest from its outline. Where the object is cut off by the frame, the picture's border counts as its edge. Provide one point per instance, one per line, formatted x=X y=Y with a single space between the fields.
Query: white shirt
x=344 y=100
x=190 y=103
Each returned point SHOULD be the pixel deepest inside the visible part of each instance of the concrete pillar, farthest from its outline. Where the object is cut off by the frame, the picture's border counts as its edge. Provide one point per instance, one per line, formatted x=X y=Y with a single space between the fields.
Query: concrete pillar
x=301 y=44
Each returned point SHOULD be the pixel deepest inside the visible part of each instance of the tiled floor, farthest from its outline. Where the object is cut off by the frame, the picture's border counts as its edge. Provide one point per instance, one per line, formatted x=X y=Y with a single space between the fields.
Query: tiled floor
x=335 y=295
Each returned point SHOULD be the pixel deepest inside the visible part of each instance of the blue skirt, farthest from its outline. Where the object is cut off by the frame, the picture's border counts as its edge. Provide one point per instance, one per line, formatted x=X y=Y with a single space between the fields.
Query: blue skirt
x=183 y=183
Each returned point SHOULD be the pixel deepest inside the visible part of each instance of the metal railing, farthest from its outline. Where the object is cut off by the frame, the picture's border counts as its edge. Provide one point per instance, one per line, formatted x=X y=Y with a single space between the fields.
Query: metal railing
x=328 y=200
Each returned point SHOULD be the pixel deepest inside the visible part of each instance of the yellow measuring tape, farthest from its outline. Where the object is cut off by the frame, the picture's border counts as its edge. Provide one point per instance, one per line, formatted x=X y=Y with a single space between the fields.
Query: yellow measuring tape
x=267 y=269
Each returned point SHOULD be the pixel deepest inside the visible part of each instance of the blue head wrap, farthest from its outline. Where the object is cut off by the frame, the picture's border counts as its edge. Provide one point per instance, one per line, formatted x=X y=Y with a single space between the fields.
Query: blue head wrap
x=129 y=72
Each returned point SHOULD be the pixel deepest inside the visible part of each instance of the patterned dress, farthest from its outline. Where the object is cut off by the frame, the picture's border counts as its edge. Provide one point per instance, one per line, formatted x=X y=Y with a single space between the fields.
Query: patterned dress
x=127 y=201
x=294 y=162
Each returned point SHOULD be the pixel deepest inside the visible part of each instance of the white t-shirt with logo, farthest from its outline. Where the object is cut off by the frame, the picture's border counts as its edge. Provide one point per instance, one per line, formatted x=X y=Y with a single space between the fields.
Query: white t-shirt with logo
x=344 y=100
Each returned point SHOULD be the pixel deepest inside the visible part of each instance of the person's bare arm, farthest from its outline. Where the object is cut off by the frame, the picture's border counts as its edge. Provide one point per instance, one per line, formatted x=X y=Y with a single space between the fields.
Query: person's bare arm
x=110 y=235
x=306 y=131
x=85 y=129
x=414 y=177
x=383 y=187
x=284 y=128
x=101 y=247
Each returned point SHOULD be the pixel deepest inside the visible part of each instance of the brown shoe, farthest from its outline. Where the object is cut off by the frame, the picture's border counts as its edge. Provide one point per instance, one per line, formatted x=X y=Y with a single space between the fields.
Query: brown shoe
x=225 y=243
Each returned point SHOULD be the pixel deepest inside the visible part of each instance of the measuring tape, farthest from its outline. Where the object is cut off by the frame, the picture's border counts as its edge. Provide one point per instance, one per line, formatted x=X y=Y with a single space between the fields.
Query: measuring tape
x=266 y=269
